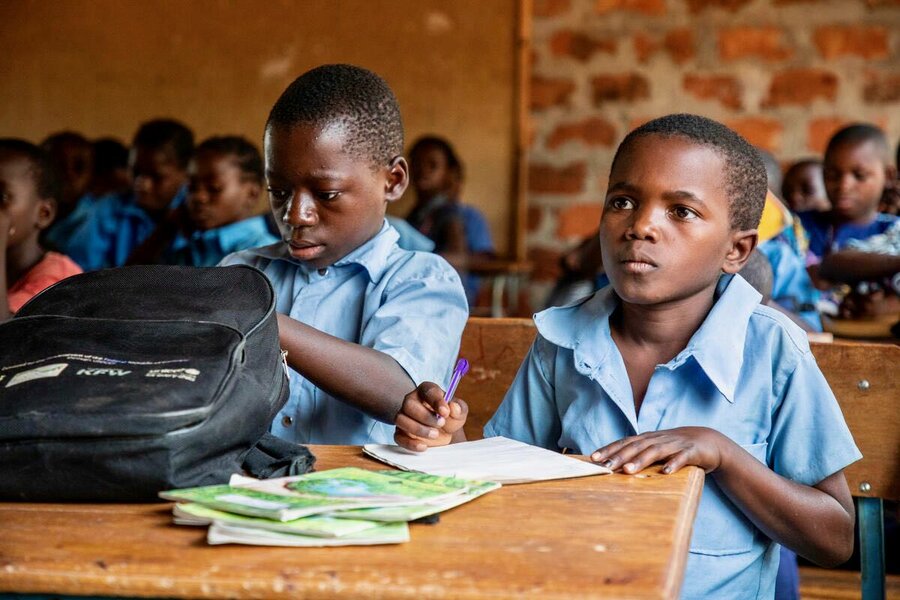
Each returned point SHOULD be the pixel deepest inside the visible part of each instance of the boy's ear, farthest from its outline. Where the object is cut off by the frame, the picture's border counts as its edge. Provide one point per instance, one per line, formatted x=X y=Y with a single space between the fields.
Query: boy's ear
x=46 y=212
x=397 y=179
x=742 y=245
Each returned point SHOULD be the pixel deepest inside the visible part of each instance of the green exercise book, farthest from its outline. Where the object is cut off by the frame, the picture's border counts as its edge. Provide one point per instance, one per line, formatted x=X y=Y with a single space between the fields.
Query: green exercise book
x=289 y=498
x=472 y=490
x=227 y=533
x=315 y=526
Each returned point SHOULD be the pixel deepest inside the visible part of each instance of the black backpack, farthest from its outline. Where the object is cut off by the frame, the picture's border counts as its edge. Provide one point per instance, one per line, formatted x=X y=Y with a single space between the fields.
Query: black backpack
x=117 y=384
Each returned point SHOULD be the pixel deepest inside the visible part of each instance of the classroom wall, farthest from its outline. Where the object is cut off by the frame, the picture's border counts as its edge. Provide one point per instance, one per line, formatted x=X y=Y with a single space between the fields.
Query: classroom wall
x=101 y=66
x=784 y=73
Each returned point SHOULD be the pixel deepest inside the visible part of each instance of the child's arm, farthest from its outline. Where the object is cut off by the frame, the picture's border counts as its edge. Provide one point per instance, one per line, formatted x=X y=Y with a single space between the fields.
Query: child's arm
x=4 y=236
x=851 y=266
x=370 y=380
x=425 y=420
x=815 y=521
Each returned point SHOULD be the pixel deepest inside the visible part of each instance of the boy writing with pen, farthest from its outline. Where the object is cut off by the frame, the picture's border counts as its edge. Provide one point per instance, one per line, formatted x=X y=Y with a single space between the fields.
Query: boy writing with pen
x=677 y=363
x=363 y=321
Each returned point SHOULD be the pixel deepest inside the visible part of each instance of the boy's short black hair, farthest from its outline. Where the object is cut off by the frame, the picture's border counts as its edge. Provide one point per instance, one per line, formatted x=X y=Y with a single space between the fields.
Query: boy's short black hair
x=65 y=137
x=773 y=170
x=434 y=141
x=860 y=133
x=745 y=173
x=245 y=155
x=167 y=135
x=109 y=155
x=355 y=97
x=46 y=179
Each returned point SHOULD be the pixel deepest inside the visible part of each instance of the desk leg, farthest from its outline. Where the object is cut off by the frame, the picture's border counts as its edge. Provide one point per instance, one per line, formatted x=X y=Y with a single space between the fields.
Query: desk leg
x=871 y=547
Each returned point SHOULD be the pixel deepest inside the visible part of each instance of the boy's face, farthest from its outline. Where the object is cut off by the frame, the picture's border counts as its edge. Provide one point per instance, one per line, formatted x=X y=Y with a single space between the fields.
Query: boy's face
x=217 y=193
x=326 y=201
x=666 y=234
x=804 y=188
x=26 y=213
x=157 y=177
x=430 y=173
x=75 y=164
x=855 y=175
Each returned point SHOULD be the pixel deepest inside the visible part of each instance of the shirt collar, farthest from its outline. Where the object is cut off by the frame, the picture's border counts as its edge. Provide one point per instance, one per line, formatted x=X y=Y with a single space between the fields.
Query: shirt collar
x=717 y=346
x=234 y=234
x=373 y=255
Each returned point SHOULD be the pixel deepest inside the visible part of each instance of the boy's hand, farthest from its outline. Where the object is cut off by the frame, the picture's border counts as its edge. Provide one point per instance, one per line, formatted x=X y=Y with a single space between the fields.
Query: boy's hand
x=425 y=420
x=698 y=446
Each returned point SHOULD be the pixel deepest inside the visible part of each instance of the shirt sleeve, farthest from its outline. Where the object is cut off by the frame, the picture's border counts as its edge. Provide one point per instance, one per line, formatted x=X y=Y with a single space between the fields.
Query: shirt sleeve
x=419 y=323
x=91 y=243
x=478 y=234
x=810 y=439
x=528 y=412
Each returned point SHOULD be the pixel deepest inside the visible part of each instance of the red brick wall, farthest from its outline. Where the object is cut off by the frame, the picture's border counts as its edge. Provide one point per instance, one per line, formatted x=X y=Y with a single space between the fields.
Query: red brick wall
x=784 y=73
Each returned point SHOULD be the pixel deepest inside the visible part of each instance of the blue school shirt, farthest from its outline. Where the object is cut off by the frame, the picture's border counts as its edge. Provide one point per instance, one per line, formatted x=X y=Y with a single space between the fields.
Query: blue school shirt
x=208 y=248
x=823 y=238
x=115 y=227
x=746 y=372
x=409 y=305
x=57 y=236
x=791 y=286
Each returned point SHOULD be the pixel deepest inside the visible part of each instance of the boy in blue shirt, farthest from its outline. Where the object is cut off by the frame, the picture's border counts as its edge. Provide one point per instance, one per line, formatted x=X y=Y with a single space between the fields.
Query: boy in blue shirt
x=363 y=321
x=678 y=363
x=857 y=169
x=118 y=224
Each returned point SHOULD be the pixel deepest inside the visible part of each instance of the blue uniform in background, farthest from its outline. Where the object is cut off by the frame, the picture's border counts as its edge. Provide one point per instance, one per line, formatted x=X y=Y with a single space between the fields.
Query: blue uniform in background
x=115 y=227
x=208 y=248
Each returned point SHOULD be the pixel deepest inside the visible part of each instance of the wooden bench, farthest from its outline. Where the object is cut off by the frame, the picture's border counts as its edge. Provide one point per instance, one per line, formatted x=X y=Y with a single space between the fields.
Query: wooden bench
x=864 y=378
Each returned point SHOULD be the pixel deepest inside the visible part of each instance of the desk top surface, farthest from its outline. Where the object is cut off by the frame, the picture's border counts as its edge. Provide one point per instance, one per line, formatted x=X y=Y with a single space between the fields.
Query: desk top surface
x=607 y=536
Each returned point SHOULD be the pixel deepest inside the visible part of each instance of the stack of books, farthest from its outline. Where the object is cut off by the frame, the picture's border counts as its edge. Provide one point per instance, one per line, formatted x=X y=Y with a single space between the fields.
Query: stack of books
x=338 y=507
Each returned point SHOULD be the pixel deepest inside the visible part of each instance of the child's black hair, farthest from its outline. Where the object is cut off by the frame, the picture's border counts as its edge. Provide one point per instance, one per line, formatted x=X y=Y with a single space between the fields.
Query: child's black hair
x=109 y=155
x=246 y=156
x=745 y=173
x=434 y=141
x=65 y=137
x=773 y=170
x=46 y=179
x=167 y=135
x=860 y=133
x=352 y=96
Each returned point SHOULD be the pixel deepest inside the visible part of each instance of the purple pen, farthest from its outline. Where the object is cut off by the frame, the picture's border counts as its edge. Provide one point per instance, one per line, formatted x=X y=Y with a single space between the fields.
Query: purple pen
x=462 y=367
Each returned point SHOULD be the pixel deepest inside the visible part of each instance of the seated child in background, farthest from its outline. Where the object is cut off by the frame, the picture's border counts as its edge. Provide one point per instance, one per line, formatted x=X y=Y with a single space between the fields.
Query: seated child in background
x=890 y=200
x=118 y=224
x=678 y=363
x=857 y=170
x=225 y=183
x=110 y=174
x=363 y=321
x=28 y=190
x=72 y=156
x=803 y=187
x=459 y=231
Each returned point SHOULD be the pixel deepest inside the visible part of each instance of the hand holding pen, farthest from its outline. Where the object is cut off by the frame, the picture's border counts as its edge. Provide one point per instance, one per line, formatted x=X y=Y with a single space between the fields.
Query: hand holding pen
x=431 y=417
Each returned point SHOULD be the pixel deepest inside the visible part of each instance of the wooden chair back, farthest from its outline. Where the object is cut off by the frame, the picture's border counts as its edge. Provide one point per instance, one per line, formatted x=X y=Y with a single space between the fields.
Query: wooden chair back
x=865 y=378
x=494 y=348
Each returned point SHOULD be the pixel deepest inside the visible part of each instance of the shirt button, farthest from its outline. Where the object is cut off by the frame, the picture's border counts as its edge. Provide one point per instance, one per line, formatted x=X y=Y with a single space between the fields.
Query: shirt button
x=287 y=420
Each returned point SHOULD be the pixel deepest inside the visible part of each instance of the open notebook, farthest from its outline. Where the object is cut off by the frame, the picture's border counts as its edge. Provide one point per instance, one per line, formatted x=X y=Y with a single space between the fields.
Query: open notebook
x=492 y=459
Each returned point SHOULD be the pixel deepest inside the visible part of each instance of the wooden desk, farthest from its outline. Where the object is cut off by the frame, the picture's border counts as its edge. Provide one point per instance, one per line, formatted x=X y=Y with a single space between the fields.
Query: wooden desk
x=599 y=537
